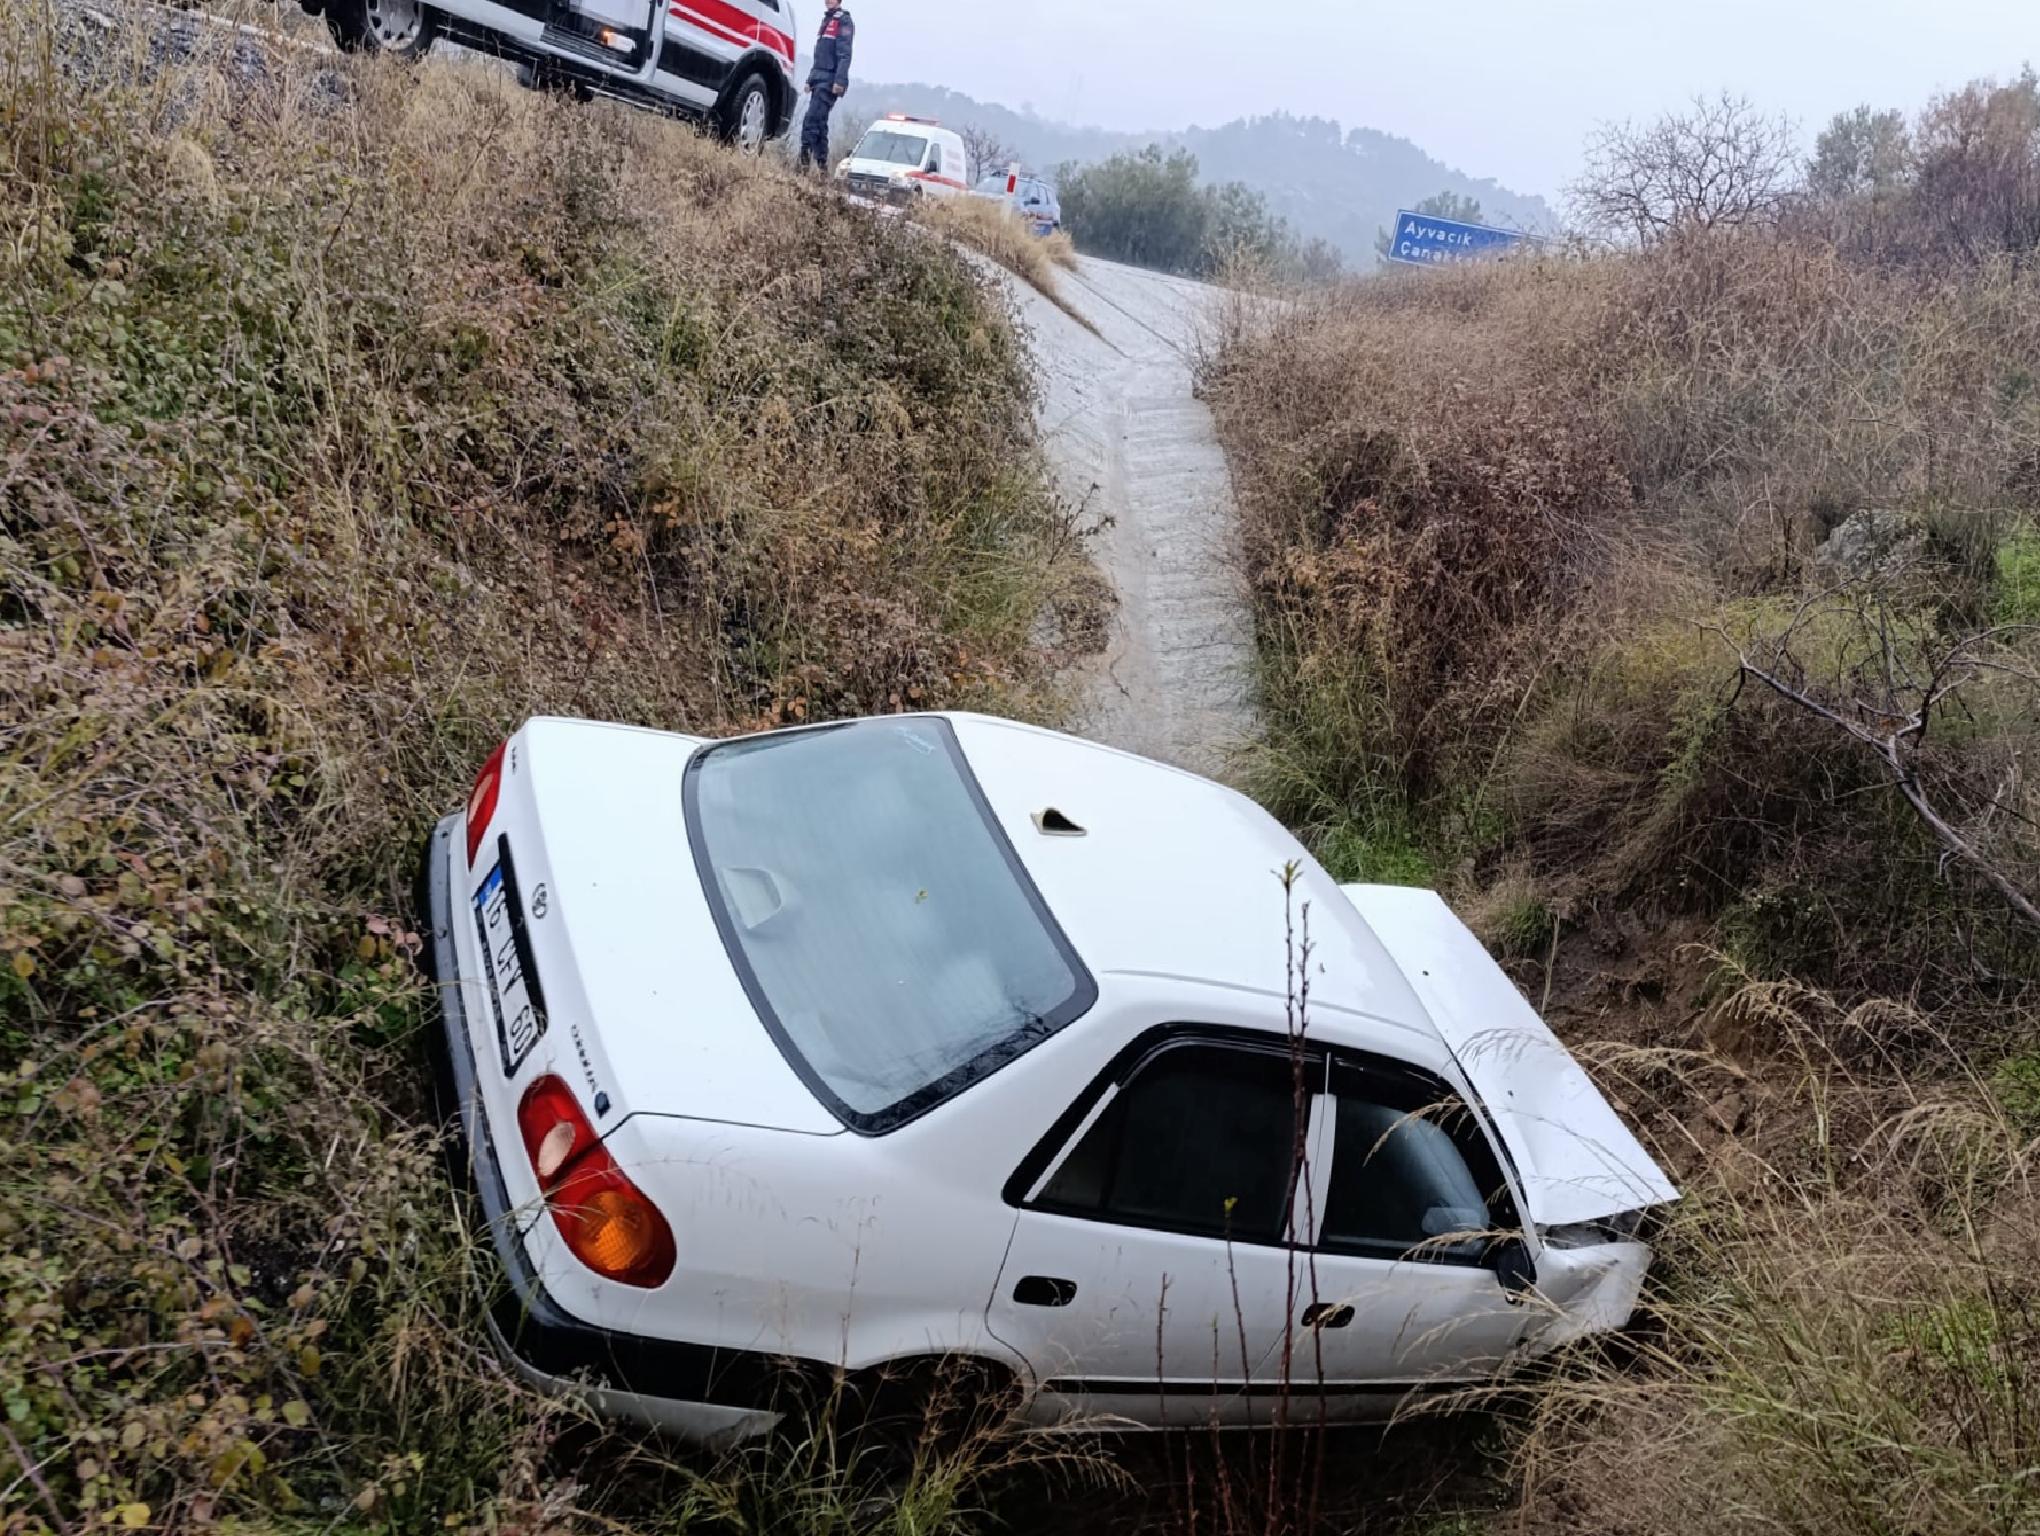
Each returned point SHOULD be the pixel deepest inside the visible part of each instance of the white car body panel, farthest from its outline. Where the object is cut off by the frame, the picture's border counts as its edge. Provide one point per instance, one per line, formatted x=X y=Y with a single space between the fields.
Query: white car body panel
x=799 y=1238
x=1578 y=1161
x=1582 y=1291
x=1225 y=915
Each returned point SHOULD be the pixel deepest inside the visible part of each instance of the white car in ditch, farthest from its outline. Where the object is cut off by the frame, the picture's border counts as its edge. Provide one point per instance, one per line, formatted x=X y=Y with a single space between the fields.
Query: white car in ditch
x=871 y=1045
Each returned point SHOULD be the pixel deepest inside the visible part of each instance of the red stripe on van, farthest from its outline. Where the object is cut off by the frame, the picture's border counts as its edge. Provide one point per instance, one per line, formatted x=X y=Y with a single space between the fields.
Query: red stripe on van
x=725 y=20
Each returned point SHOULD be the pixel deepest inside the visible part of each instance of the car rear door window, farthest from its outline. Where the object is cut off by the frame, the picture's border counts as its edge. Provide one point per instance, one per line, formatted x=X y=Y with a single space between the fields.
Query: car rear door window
x=1202 y=1141
x=878 y=918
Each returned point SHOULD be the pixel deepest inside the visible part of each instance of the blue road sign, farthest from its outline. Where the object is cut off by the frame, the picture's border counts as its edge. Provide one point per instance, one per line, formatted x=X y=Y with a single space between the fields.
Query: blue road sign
x=1423 y=241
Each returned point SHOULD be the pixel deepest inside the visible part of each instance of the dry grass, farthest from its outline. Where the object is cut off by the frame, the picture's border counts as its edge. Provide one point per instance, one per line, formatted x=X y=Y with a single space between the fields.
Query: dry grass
x=996 y=231
x=1497 y=599
x=349 y=415
x=1000 y=233
x=1844 y=1331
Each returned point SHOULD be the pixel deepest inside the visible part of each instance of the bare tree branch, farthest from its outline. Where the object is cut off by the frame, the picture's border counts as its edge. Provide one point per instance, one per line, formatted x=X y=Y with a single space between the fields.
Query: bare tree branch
x=986 y=152
x=1891 y=716
x=1720 y=163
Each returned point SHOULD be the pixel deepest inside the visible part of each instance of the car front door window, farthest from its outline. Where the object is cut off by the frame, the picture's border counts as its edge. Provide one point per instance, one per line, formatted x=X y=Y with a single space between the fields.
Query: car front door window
x=1400 y=1186
x=1412 y=1204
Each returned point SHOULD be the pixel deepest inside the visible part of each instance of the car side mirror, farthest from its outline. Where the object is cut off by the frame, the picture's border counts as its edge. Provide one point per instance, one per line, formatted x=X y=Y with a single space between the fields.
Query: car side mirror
x=1514 y=1268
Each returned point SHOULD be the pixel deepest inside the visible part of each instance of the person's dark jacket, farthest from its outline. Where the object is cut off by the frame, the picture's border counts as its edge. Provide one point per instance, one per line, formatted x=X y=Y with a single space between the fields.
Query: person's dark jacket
x=831 y=69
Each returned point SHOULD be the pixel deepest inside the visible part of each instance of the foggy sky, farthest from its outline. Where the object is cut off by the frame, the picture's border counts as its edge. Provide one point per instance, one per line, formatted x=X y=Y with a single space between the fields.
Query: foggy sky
x=1503 y=88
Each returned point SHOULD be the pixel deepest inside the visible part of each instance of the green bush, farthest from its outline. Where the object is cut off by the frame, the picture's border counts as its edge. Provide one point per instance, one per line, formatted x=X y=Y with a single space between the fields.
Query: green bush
x=2016 y=597
x=1152 y=210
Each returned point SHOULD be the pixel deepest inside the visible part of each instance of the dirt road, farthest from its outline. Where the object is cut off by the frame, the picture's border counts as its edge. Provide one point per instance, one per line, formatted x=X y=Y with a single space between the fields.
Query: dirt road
x=1137 y=450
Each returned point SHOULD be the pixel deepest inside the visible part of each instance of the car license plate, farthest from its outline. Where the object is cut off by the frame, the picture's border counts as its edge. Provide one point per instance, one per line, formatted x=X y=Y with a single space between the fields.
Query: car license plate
x=513 y=989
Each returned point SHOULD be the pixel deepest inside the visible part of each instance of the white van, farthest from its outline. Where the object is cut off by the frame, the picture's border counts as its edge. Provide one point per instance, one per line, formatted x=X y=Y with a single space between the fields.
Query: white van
x=729 y=63
x=902 y=158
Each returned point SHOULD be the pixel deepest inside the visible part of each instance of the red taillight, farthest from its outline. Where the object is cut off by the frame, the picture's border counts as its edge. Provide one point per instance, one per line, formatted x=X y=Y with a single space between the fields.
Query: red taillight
x=607 y=1221
x=1012 y=185
x=482 y=803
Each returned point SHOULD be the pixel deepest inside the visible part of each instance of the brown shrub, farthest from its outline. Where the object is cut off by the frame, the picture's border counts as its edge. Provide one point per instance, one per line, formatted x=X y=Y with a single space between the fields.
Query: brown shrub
x=995 y=230
x=1492 y=514
x=1843 y=1328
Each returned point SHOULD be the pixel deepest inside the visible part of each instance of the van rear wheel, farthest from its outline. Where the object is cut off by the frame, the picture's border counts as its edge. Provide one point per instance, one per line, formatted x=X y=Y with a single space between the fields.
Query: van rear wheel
x=403 y=29
x=745 y=119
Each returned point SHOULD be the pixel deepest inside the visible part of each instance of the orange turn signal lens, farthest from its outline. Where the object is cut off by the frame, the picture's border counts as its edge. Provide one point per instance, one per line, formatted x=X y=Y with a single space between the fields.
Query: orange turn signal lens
x=615 y=1232
x=607 y=1221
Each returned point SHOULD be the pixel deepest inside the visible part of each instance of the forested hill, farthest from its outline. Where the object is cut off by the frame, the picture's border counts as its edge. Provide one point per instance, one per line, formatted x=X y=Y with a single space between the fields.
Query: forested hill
x=1341 y=185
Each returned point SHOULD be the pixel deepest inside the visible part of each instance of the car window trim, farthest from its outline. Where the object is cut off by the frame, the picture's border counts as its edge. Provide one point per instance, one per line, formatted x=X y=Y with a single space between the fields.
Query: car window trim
x=924 y=1101
x=1055 y=1164
x=1317 y=1153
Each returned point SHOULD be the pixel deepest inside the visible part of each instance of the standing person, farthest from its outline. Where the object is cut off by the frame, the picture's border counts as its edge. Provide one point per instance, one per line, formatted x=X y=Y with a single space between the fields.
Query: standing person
x=827 y=80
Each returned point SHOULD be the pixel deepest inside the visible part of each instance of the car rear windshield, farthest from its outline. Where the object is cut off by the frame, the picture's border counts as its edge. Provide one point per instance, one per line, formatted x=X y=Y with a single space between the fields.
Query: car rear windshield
x=891 y=147
x=881 y=922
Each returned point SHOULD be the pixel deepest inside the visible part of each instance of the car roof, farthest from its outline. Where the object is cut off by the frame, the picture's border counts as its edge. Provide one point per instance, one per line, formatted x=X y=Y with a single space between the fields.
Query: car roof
x=1174 y=877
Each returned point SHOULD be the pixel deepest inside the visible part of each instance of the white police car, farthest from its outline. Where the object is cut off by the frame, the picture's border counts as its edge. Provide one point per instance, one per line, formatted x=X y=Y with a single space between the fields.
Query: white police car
x=1032 y=198
x=930 y=1037
x=728 y=62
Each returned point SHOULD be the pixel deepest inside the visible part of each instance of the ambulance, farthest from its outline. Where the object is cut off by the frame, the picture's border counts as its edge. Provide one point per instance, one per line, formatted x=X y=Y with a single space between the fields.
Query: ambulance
x=726 y=63
x=902 y=159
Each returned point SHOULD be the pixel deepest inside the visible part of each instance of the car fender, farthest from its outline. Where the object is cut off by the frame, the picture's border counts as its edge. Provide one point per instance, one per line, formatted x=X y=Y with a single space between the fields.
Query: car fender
x=985 y=1352
x=1584 y=1291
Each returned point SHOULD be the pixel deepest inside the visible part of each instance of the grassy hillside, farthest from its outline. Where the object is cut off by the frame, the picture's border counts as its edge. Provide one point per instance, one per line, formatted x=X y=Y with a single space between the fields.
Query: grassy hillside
x=1675 y=611
x=348 y=416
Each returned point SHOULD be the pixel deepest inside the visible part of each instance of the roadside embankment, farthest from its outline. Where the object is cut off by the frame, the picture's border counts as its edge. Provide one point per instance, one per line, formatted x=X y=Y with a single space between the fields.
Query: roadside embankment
x=1676 y=613
x=348 y=416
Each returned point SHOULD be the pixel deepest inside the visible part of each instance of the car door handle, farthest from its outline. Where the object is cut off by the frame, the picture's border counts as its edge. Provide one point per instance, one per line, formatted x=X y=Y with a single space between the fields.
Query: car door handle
x=1044 y=1291
x=1327 y=1314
